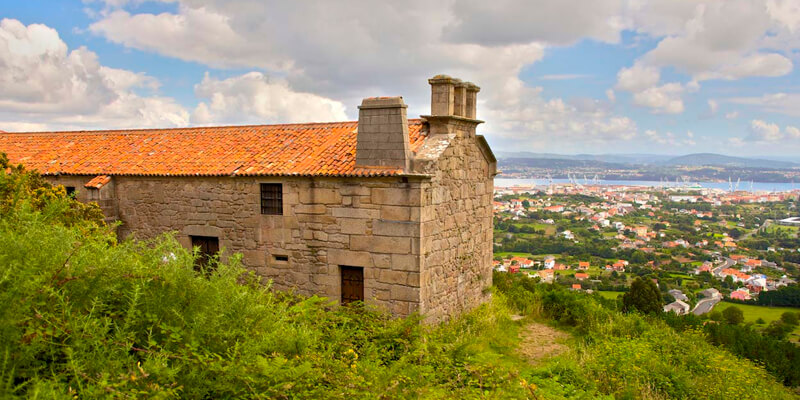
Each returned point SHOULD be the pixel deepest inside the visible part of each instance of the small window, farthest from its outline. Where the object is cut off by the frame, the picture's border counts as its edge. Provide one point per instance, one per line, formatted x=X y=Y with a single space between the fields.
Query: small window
x=70 y=191
x=281 y=258
x=272 y=198
x=208 y=248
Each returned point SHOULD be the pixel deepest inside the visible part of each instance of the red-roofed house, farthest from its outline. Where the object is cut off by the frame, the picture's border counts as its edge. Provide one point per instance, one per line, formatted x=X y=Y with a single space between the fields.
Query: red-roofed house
x=581 y=276
x=324 y=208
x=546 y=275
x=561 y=267
x=522 y=262
x=753 y=263
x=740 y=294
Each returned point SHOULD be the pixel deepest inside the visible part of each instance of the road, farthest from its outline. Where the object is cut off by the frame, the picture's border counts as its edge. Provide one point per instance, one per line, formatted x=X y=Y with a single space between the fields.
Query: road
x=704 y=306
x=728 y=263
x=763 y=227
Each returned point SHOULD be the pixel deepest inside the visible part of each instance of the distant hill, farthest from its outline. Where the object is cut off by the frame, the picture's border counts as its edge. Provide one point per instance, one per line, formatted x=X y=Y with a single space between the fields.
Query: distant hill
x=712 y=159
x=561 y=163
x=616 y=160
x=634 y=159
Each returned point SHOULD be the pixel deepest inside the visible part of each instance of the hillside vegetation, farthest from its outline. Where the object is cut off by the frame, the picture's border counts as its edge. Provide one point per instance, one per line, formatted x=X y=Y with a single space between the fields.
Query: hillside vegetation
x=88 y=317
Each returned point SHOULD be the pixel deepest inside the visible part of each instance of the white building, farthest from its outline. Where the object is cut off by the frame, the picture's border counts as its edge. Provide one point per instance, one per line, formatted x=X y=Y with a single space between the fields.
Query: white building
x=678 y=307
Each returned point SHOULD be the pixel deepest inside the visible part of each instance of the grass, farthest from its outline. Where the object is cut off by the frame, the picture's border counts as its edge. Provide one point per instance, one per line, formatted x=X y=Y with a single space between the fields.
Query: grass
x=506 y=254
x=753 y=313
x=610 y=294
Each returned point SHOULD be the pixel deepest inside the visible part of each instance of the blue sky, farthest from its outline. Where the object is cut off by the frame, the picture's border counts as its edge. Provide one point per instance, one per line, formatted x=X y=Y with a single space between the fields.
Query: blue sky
x=609 y=76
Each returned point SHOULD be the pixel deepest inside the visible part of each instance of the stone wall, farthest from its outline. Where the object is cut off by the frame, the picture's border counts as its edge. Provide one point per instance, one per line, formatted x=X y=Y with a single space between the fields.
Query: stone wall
x=457 y=227
x=371 y=223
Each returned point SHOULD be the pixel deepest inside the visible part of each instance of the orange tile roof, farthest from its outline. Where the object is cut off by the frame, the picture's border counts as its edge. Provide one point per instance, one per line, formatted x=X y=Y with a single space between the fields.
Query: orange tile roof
x=98 y=182
x=312 y=149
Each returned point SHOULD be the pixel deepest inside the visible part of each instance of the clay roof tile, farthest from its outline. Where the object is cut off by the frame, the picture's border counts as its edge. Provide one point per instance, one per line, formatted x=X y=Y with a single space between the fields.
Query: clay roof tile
x=312 y=149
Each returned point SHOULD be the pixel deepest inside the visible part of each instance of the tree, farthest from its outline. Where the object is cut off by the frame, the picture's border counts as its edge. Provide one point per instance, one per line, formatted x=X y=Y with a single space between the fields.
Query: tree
x=790 y=318
x=526 y=204
x=778 y=330
x=733 y=315
x=643 y=297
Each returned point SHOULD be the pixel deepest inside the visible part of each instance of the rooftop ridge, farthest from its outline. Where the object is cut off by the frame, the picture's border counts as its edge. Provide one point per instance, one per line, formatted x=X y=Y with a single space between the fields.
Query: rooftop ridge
x=411 y=121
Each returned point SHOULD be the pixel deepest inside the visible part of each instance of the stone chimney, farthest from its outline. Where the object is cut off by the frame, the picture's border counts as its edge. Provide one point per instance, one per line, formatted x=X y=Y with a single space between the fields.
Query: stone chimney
x=383 y=133
x=453 y=106
x=450 y=97
x=472 y=100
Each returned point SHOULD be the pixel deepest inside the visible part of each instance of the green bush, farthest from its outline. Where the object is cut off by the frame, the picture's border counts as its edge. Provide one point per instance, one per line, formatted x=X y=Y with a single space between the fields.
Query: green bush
x=733 y=315
x=790 y=318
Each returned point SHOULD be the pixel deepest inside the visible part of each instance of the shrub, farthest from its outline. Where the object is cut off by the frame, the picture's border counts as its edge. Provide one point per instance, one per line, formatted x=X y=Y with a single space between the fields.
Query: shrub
x=778 y=330
x=733 y=315
x=790 y=318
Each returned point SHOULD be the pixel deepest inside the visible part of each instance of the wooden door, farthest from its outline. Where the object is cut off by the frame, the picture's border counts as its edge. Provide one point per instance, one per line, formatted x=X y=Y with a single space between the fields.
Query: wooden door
x=209 y=247
x=352 y=284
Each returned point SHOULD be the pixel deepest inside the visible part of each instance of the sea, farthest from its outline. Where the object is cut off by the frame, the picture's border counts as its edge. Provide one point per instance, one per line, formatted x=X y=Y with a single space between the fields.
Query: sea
x=742 y=186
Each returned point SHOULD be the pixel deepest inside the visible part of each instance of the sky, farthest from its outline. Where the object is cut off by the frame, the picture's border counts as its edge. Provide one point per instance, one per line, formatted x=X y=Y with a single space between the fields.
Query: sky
x=556 y=76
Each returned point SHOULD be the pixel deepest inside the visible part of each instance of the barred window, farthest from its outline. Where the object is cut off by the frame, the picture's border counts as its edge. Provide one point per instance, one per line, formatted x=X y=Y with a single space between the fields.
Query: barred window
x=272 y=198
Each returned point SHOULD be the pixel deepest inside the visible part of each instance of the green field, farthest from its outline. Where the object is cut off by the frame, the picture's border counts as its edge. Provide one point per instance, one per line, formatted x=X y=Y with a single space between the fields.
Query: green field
x=610 y=294
x=768 y=314
x=506 y=254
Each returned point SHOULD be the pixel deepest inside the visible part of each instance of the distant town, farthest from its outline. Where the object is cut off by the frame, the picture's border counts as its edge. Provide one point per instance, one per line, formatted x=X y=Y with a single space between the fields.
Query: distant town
x=700 y=246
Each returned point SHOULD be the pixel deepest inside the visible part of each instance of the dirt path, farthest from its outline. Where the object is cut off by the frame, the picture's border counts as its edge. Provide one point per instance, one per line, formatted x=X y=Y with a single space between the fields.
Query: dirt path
x=539 y=342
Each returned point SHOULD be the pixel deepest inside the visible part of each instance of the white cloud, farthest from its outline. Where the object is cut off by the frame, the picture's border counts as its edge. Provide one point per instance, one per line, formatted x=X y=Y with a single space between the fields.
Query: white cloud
x=253 y=98
x=764 y=131
x=781 y=103
x=732 y=115
x=347 y=50
x=707 y=40
x=642 y=80
x=664 y=99
x=713 y=106
x=46 y=85
x=787 y=12
x=382 y=49
x=502 y=22
x=637 y=78
x=721 y=40
x=670 y=139
x=611 y=96
x=654 y=136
